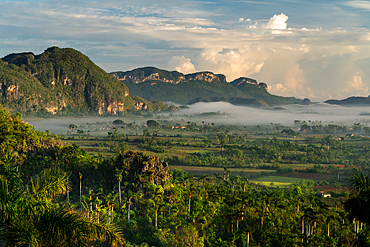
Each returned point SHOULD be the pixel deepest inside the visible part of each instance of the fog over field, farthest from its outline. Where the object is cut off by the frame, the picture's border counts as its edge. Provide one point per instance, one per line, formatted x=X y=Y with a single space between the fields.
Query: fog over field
x=229 y=114
x=281 y=115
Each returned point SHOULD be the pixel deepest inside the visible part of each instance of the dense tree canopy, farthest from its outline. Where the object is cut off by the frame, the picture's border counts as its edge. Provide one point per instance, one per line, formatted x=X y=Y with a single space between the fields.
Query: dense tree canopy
x=58 y=195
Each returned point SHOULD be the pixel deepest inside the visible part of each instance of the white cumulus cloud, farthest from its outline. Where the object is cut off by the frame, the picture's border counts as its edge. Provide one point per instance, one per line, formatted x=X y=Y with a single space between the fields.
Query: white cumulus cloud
x=181 y=64
x=355 y=85
x=232 y=63
x=277 y=22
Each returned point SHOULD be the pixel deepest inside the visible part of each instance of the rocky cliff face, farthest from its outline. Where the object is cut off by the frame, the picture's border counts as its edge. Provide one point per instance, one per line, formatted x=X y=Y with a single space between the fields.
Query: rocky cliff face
x=141 y=75
x=206 y=76
x=9 y=91
x=140 y=105
x=241 y=80
x=263 y=85
x=68 y=76
x=151 y=77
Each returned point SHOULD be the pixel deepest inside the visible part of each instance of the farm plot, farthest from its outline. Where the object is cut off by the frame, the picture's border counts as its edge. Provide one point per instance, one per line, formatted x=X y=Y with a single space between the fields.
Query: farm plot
x=277 y=181
x=309 y=176
x=198 y=171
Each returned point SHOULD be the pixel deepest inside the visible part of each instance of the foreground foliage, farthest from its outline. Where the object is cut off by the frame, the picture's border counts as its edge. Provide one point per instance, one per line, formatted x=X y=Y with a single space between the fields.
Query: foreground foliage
x=74 y=198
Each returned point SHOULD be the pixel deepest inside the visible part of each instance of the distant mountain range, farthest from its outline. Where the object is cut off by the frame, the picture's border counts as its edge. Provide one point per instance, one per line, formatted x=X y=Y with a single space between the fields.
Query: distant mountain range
x=154 y=83
x=351 y=101
x=66 y=82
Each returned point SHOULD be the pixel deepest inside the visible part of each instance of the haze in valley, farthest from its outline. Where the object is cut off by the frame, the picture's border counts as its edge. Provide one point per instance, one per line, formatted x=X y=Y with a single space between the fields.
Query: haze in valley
x=229 y=114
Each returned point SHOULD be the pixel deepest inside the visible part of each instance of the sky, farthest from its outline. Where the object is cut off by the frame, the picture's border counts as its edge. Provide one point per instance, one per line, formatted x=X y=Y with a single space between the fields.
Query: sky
x=317 y=49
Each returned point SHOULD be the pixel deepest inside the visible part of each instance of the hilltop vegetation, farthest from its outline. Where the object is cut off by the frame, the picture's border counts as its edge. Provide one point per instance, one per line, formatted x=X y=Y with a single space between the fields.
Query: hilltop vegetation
x=150 y=82
x=63 y=82
x=20 y=90
x=72 y=82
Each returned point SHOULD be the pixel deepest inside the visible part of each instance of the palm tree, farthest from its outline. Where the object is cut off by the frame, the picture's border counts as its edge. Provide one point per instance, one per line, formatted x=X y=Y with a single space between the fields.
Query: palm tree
x=111 y=200
x=203 y=179
x=129 y=198
x=119 y=178
x=80 y=175
x=157 y=198
x=29 y=218
x=48 y=183
x=359 y=203
x=223 y=142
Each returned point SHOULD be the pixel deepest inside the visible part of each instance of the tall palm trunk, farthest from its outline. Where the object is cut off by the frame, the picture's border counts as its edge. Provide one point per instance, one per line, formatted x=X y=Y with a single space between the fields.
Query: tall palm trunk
x=112 y=212
x=97 y=213
x=189 y=204
x=156 y=217
x=119 y=192
x=80 y=187
x=243 y=212
x=128 y=212
x=108 y=213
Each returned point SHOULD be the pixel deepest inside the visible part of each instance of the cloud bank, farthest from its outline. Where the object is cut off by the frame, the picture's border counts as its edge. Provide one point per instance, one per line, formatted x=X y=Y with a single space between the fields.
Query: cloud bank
x=270 y=45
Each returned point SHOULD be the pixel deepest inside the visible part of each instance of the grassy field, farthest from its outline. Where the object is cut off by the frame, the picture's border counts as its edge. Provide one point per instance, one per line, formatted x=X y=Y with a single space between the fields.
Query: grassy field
x=198 y=171
x=277 y=181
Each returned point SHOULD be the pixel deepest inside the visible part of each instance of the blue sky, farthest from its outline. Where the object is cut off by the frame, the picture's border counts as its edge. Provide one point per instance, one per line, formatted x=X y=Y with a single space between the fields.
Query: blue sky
x=315 y=49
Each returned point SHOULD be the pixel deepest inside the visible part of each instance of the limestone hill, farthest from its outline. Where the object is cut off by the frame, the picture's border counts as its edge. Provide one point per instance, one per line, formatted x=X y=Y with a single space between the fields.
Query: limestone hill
x=154 y=83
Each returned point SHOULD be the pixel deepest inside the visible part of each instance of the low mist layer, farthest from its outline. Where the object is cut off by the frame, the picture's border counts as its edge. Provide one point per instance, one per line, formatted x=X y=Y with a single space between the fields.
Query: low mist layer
x=226 y=113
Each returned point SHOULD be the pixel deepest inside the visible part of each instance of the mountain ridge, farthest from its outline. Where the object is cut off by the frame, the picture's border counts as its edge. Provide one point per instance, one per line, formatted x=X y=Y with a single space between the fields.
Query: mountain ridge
x=352 y=100
x=159 y=84
x=63 y=81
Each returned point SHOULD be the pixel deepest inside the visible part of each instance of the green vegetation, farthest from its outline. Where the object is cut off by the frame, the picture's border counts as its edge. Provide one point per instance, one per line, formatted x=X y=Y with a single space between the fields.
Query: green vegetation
x=72 y=82
x=153 y=83
x=29 y=218
x=255 y=91
x=64 y=82
x=258 y=189
x=186 y=92
x=20 y=90
x=276 y=181
x=151 y=105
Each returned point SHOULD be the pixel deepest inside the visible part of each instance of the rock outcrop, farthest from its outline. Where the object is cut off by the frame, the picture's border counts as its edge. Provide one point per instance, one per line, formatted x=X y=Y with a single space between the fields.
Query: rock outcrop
x=206 y=76
x=142 y=75
x=238 y=82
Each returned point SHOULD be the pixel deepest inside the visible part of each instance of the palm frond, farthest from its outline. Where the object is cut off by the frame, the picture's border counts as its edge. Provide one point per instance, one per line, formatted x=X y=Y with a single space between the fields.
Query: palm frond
x=73 y=228
x=49 y=183
x=358 y=181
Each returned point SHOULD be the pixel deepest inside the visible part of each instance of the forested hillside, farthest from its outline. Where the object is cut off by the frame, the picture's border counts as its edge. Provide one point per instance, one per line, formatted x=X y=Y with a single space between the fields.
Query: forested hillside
x=63 y=82
x=20 y=90
x=72 y=82
x=150 y=82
